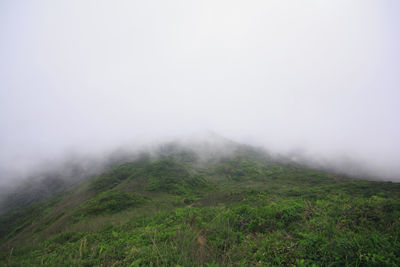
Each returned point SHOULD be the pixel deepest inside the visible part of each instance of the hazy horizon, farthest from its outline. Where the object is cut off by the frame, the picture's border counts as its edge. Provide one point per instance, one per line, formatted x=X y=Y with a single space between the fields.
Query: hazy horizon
x=315 y=78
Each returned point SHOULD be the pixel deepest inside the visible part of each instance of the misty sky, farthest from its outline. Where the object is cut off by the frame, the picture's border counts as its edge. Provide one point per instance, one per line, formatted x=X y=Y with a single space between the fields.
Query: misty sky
x=317 y=76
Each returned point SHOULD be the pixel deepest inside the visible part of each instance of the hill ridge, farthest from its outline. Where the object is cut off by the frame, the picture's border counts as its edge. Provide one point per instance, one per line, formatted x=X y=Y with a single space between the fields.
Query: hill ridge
x=239 y=208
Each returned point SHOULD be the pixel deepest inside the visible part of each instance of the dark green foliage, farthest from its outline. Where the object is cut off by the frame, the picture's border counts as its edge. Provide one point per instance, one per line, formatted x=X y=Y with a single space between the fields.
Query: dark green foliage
x=16 y=221
x=239 y=169
x=113 y=177
x=166 y=176
x=240 y=211
x=65 y=237
x=111 y=202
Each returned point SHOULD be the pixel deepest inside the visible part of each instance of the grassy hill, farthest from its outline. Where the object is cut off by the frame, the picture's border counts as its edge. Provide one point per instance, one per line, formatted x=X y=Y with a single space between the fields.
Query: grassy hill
x=180 y=208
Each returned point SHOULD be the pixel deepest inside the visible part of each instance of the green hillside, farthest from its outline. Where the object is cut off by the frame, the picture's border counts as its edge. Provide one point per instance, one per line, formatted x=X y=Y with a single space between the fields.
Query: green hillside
x=239 y=209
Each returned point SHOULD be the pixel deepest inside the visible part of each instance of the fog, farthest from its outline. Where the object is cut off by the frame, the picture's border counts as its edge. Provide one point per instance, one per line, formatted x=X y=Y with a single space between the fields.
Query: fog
x=315 y=80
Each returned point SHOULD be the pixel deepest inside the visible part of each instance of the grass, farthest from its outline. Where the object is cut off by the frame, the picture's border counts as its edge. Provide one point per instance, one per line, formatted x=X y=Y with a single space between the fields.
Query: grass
x=239 y=211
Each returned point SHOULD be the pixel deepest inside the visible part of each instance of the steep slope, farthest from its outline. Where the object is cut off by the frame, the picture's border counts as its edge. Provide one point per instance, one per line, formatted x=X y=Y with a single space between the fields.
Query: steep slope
x=188 y=206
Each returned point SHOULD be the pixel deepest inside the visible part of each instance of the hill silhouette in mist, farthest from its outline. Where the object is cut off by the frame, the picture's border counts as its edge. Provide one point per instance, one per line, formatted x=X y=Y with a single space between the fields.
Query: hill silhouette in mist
x=203 y=203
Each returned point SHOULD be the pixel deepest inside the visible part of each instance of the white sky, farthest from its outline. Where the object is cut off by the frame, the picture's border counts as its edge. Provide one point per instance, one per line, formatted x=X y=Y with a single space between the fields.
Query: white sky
x=320 y=76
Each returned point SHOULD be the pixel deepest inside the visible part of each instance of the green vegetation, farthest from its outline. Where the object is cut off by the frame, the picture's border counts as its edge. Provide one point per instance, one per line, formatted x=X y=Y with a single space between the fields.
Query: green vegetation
x=110 y=202
x=242 y=210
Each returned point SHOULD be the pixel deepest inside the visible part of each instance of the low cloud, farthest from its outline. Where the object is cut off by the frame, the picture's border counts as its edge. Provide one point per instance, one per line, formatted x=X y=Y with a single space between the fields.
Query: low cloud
x=314 y=81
